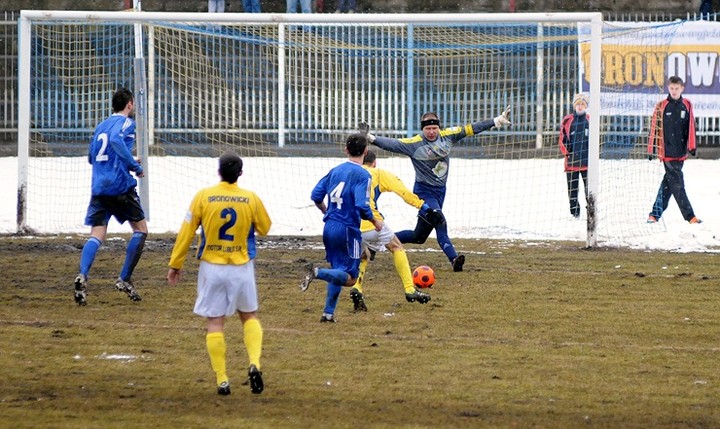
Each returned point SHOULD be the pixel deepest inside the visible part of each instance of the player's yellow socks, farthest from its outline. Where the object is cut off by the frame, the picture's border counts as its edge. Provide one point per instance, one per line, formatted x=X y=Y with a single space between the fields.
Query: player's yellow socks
x=253 y=338
x=216 y=349
x=402 y=266
x=361 y=275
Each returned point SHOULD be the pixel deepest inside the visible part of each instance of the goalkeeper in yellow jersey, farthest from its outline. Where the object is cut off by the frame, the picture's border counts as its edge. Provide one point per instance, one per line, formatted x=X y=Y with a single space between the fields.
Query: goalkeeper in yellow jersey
x=230 y=217
x=375 y=241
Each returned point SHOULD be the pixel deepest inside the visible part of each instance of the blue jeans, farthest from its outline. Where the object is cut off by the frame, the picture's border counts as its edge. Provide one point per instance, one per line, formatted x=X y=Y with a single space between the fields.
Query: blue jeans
x=216 y=6
x=305 y=6
x=346 y=5
x=251 y=6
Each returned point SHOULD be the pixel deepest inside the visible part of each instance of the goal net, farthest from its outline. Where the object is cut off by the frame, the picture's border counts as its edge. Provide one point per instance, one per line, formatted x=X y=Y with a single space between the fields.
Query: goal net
x=284 y=91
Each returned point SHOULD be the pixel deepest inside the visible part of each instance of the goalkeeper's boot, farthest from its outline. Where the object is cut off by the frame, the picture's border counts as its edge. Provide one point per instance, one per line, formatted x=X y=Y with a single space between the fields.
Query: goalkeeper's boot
x=358 y=300
x=327 y=318
x=309 y=277
x=256 y=381
x=81 y=289
x=418 y=296
x=694 y=220
x=128 y=288
x=224 y=388
x=458 y=263
x=652 y=219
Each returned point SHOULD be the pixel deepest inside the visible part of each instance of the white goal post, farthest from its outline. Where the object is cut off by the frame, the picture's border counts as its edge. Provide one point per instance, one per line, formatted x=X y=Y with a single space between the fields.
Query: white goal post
x=282 y=90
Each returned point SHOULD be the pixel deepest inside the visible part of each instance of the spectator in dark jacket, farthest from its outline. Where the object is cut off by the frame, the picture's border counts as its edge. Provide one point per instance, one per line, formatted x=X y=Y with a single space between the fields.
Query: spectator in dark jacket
x=672 y=136
x=706 y=9
x=573 y=143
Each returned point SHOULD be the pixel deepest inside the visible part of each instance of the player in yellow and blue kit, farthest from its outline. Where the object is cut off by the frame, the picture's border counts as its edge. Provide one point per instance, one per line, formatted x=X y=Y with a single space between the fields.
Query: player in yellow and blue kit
x=347 y=188
x=376 y=241
x=113 y=194
x=230 y=217
x=429 y=152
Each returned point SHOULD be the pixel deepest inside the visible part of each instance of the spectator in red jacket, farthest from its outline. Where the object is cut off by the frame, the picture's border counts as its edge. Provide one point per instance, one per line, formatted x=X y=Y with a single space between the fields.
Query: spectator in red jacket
x=573 y=143
x=672 y=136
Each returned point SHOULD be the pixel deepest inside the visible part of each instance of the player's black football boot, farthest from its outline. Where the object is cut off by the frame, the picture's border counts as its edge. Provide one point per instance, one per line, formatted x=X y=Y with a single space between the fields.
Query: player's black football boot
x=358 y=300
x=256 y=381
x=80 y=290
x=224 y=388
x=458 y=263
x=418 y=296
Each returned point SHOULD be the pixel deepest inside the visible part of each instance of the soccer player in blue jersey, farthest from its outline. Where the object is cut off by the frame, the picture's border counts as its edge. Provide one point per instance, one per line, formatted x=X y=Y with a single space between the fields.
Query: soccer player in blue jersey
x=377 y=241
x=429 y=152
x=113 y=193
x=230 y=217
x=347 y=188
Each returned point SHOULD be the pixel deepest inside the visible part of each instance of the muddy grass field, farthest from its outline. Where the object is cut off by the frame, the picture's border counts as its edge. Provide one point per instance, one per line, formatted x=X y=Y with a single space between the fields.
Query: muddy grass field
x=530 y=335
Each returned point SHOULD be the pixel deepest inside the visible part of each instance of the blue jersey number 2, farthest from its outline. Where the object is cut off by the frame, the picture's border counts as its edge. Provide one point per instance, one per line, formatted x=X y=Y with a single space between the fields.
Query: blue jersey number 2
x=223 y=235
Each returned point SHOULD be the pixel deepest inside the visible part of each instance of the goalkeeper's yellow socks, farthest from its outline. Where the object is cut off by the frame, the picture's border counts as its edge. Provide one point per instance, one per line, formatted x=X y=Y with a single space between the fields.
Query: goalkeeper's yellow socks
x=402 y=266
x=253 y=338
x=361 y=275
x=216 y=349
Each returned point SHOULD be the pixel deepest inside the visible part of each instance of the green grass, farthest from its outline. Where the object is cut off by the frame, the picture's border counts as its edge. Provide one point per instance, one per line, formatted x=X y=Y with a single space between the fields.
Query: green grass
x=540 y=335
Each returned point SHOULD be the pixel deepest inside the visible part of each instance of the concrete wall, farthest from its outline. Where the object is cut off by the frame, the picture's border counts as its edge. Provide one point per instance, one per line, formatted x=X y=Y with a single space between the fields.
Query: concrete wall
x=380 y=6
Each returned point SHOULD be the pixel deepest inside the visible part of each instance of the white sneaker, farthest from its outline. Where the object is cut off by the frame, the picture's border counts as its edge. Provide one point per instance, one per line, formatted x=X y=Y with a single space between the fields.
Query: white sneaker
x=128 y=288
x=309 y=277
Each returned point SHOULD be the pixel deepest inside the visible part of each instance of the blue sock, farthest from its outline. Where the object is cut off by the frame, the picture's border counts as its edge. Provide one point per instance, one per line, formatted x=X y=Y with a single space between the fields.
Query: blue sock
x=88 y=255
x=132 y=256
x=444 y=241
x=333 y=294
x=332 y=275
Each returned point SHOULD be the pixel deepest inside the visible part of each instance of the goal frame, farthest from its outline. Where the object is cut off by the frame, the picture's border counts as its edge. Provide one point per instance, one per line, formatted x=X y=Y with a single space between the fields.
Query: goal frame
x=28 y=17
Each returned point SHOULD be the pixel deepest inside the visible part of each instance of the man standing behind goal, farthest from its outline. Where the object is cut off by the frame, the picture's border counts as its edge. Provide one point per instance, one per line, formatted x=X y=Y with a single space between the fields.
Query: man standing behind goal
x=672 y=134
x=429 y=152
x=230 y=217
x=113 y=193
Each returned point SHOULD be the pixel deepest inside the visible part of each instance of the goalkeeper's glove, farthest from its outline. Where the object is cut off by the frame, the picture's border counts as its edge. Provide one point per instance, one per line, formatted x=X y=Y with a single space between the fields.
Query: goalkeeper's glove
x=364 y=129
x=503 y=119
x=692 y=152
x=430 y=215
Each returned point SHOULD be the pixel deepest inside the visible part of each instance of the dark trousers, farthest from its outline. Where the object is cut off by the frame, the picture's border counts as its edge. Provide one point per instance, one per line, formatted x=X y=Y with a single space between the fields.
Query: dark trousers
x=673 y=183
x=573 y=183
x=706 y=9
x=434 y=197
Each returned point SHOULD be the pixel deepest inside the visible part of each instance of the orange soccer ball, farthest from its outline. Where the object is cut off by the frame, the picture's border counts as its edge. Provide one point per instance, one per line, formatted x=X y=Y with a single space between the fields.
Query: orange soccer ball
x=423 y=277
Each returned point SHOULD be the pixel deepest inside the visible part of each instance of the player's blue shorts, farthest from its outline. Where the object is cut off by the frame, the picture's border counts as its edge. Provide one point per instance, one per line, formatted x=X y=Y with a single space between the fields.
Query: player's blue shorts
x=124 y=207
x=343 y=247
x=434 y=196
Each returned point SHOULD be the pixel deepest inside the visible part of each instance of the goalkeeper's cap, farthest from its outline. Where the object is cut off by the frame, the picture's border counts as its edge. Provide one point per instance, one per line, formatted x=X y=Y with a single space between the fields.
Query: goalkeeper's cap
x=230 y=166
x=580 y=98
